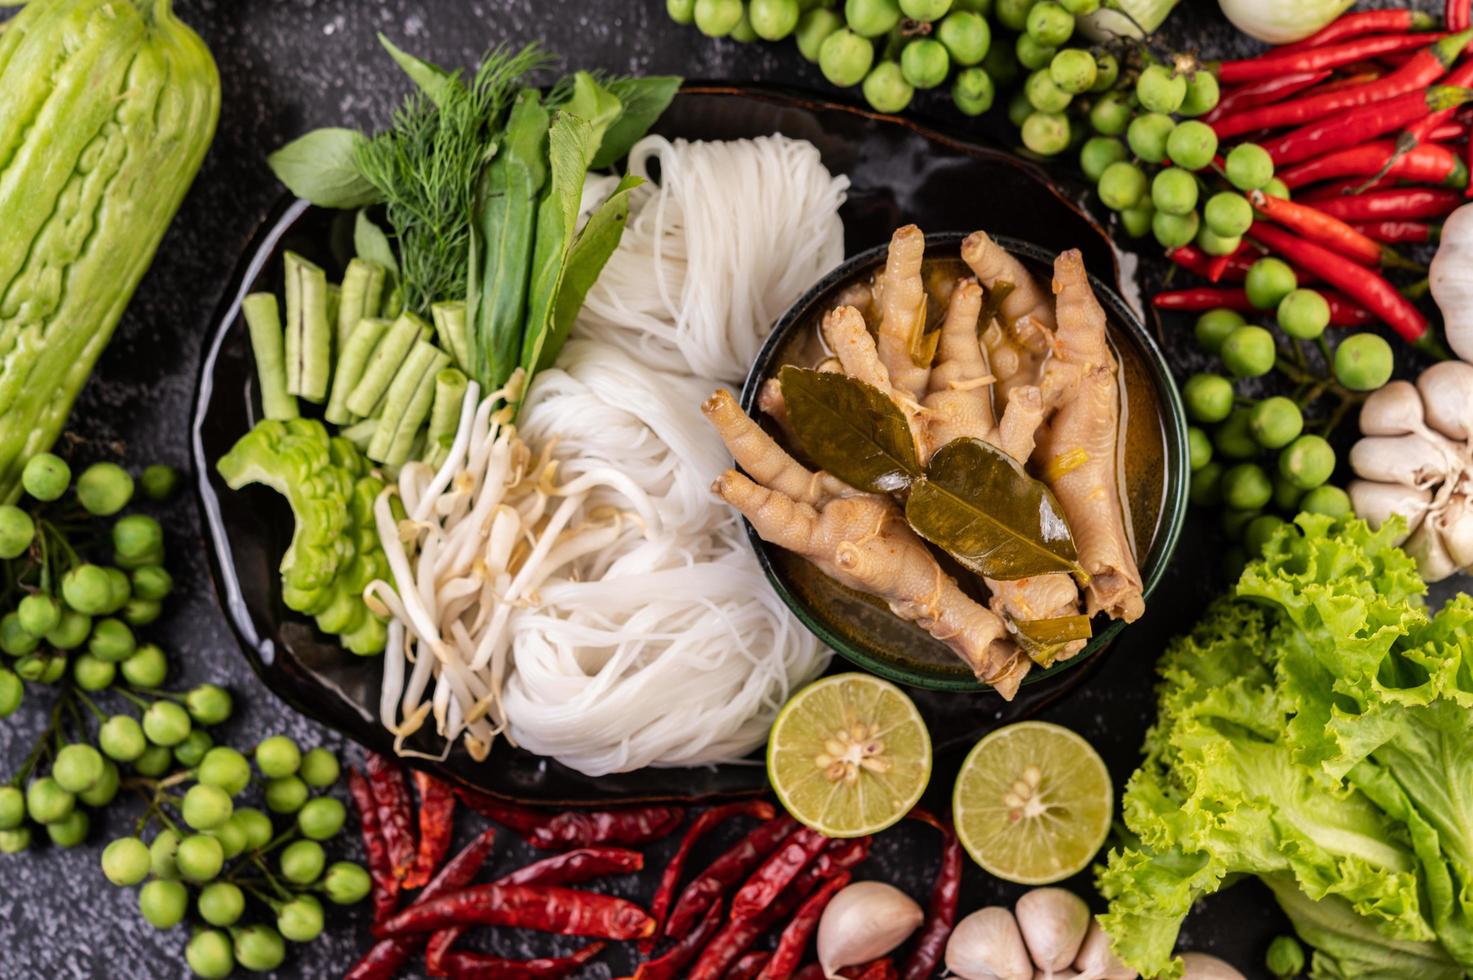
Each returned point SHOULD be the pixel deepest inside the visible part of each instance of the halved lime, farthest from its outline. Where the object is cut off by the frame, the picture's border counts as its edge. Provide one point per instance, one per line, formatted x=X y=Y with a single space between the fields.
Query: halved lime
x=849 y=755
x=1033 y=802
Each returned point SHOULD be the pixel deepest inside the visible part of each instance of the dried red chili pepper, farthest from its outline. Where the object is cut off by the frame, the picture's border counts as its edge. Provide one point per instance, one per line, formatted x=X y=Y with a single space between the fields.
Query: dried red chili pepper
x=436 y=824
x=810 y=972
x=483 y=966
x=544 y=908
x=1426 y=163
x=1398 y=204
x=1327 y=230
x=1363 y=22
x=669 y=964
x=572 y=868
x=777 y=872
x=631 y=827
x=793 y=942
x=700 y=827
x=881 y=969
x=1315 y=59
x=386 y=956
x=930 y=942
x=723 y=874
x=1333 y=133
x=739 y=934
x=1424 y=68
x=1401 y=232
x=1264 y=92
x=513 y=816
x=395 y=814
x=749 y=966
x=380 y=865
x=1358 y=282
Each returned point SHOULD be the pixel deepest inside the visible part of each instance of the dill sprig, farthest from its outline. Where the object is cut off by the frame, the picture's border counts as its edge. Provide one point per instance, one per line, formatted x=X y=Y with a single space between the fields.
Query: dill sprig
x=426 y=165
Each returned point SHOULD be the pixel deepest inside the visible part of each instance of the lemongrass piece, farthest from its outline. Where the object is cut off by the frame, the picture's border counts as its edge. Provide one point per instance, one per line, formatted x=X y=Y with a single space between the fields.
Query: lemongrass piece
x=353 y=356
x=386 y=361
x=263 y=320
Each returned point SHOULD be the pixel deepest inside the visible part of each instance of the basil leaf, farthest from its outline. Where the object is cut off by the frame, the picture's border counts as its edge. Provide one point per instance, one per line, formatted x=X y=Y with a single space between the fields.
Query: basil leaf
x=321 y=167
x=980 y=506
x=1044 y=639
x=851 y=429
x=370 y=242
x=435 y=82
x=644 y=100
x=591 y=250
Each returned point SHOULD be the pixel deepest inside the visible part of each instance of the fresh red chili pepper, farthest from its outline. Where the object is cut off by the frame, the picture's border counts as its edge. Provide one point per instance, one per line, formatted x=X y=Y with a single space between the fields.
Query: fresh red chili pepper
x=1424 y=68
x=669 y=964
x=930 y=942
x=739 y=934
x=1323 y=135
x=380 y=865
x=1455 y=14
x=1423 y=129
x=1343 y=188
x=700 y=827
x=777 y=872
x=725 y=872
x=1203 y=298
x=1315 y=59
x=1445 y=132
x=571 y=868
x=1191 y=258
x=1218 y=265
x=1426 y=163
x=749 y=966
x=384 y=959
x=1327 y=230
x=483 y=966
x=1345 y=312
x=1263 y=92
x=545 y=908
x=1401 y=232
x=793 y=942
x=436 y=816
x=395 y=820
x=1366 y=22
x=1359 y=283
x=1396 y=204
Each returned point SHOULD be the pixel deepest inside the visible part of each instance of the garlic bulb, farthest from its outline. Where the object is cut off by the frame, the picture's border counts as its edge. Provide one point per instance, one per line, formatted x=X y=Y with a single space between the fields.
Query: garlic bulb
x=1451 y=279
x=1415 y=460
x=1200 y=966
x=863 y=922
x=1053 y=922
x=1097 y=961
x=987 y=945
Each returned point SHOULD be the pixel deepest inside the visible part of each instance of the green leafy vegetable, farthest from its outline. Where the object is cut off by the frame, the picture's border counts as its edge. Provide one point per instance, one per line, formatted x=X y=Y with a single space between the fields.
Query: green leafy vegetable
x=980 y=506
x=1317 y=734
x=438 y=85
x=851 y=429
x=644 y=100
x=322 y=167
x=370 y=242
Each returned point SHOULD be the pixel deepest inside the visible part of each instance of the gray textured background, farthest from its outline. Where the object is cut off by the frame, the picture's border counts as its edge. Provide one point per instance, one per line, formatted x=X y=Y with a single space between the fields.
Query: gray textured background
x=287 y=66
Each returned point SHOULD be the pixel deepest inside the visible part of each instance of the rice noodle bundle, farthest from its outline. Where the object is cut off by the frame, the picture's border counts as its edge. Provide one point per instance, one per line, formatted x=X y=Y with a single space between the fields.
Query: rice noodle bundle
x=723 y=238
x=597 y=603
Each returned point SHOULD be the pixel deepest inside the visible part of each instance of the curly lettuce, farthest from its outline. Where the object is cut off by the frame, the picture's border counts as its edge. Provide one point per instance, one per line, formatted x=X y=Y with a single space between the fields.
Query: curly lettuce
x=1314 y=731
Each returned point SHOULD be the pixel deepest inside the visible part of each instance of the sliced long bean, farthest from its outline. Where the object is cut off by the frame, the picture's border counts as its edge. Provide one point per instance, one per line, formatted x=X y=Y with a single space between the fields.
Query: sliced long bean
x=408 y=439
x=450 y=327
x=263 y=319
x=361 y=433
x=308 y=336
x=352 y=362
x=401 y=393
x=363 y=290
x=387 y=359
x=450 y=385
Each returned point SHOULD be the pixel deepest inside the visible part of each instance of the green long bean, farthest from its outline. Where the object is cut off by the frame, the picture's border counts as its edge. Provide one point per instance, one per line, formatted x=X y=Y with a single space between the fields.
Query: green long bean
x=422 y=361
x=450 y=386
x=308 y=336
x=386 y=361
x=450 y=327
x=353 y=360
x=415 y=413
x=363 y=291
x=263 y=319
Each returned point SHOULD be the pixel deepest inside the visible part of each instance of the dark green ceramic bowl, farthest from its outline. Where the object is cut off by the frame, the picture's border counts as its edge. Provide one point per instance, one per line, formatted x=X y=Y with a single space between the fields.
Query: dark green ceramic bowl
x=865 y=632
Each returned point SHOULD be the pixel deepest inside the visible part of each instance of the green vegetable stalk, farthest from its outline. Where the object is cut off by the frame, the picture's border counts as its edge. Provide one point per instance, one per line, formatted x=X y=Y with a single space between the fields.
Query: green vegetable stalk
x=108 y=110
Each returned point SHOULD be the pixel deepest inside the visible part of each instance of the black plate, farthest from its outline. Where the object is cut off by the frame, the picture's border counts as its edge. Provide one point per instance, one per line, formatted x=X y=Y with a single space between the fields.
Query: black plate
x=899 y=172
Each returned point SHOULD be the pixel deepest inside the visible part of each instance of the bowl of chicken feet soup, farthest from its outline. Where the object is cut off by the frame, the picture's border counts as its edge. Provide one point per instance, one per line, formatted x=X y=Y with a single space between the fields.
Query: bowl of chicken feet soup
x=962 y=461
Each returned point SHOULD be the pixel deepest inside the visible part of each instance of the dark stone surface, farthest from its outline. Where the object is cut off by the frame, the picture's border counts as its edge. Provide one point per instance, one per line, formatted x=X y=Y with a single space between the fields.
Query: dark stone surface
x=289 y=65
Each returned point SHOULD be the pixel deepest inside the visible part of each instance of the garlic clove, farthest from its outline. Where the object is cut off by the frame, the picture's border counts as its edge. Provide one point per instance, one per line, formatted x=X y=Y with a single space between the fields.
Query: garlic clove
x=1409 y=460
x=1392 y=410
x=1454 y=522
x=1097 y=960
x=987 y=945
x=1375 y=503
x=1446 y=391
x=1053 y=922
x=1068 y=974
x=1200 y=966
x=863 y=922
x=1427 y=547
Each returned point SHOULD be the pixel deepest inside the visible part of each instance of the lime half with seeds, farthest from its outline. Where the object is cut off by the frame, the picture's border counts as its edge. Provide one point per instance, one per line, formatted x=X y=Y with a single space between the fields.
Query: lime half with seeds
x=849 y=755
x=1032 y=803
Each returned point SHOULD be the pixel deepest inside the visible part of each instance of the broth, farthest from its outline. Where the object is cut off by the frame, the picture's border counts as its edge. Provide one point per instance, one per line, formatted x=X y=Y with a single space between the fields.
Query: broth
x=866 y=622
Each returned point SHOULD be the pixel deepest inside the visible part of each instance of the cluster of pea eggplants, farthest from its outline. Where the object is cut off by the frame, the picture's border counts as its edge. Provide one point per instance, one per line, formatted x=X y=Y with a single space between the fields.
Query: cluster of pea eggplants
x=1256 y=458
x=235 y=863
